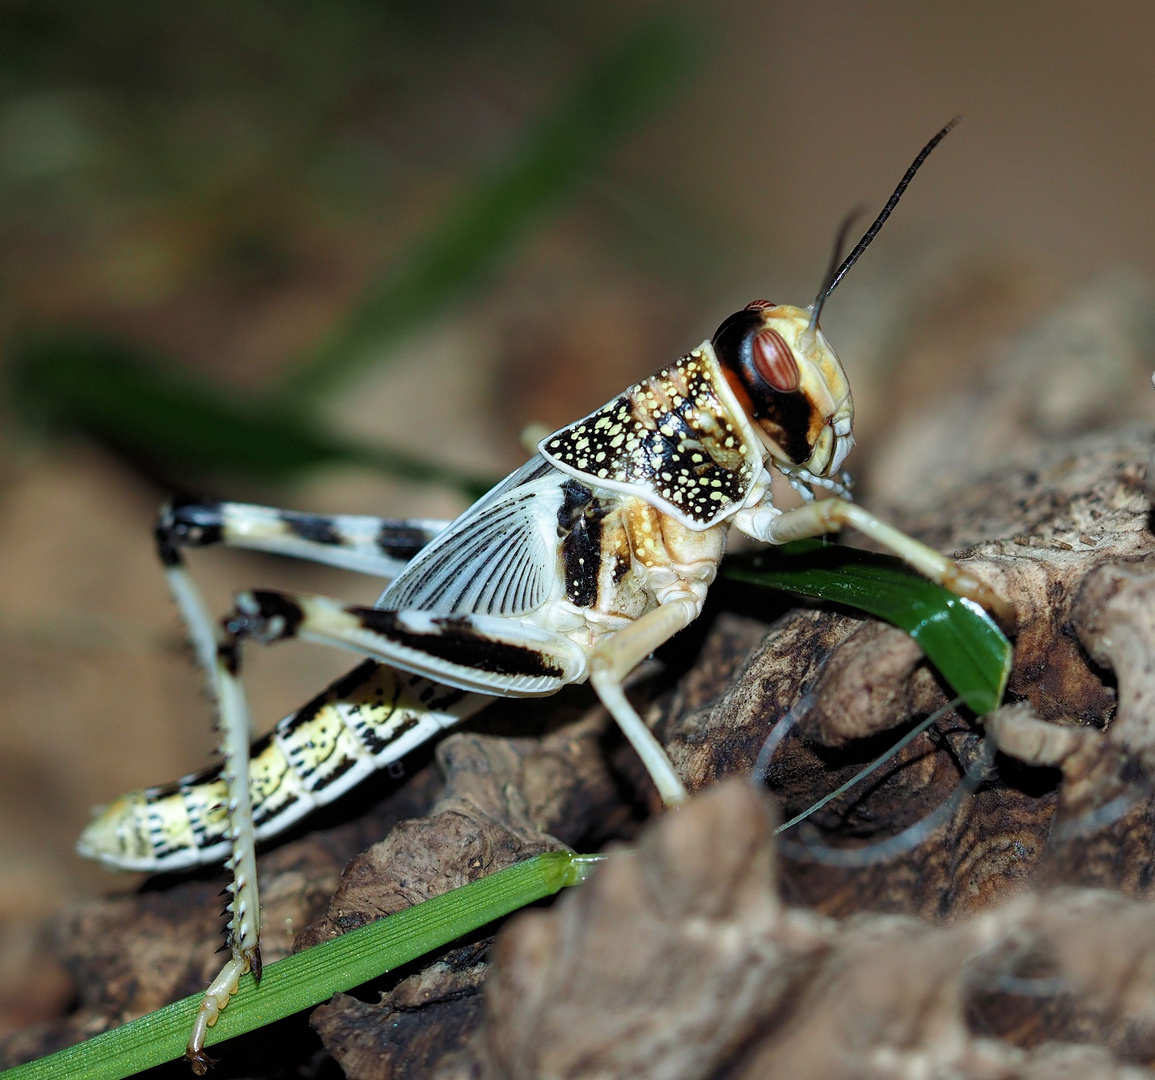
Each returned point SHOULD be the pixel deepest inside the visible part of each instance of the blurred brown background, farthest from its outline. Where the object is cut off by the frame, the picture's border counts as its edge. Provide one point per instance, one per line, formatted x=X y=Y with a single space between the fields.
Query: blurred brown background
x=217 y=183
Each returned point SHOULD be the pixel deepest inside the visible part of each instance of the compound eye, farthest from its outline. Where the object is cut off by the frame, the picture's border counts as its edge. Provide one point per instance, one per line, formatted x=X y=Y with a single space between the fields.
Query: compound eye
x=774 y=361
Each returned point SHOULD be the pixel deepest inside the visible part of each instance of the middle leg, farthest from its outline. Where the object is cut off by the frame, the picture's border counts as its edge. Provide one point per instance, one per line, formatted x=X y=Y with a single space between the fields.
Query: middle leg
x=368 y=545
x=614 y=659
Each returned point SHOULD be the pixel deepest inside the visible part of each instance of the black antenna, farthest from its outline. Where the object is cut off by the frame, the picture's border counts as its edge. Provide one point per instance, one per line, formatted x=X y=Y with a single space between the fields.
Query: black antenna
x=872 y=232
x=832 y=267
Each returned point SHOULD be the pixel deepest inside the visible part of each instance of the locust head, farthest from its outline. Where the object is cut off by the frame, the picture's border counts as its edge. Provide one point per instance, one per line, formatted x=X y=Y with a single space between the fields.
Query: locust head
x=785 y=374
x=791 y=384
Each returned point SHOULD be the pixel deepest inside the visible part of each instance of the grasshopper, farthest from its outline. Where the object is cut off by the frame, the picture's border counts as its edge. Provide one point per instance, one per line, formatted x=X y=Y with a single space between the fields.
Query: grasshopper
x=577 y=566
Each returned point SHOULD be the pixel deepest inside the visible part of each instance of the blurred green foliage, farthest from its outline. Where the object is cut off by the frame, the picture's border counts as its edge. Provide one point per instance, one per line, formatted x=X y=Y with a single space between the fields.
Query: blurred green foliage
x=150 y=411
x=555 y=155
x=177 y=423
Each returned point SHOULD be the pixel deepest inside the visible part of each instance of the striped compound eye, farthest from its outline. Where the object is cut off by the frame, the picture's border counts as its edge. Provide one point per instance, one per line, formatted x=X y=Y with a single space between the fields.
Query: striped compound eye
x=774 y=360
x=756 y=355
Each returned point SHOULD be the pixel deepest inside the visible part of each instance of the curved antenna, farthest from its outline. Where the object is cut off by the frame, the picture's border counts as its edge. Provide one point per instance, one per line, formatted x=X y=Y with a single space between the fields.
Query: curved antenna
x=832 y=267
x=872 y=232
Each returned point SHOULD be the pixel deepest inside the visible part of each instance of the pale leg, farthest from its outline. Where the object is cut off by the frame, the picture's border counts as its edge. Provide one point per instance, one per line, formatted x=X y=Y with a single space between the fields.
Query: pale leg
x=828 y=515
x=368 y=545
x=614 y=659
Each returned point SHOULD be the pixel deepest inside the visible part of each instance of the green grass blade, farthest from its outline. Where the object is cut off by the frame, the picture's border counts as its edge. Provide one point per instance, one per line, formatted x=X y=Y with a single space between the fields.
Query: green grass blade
x=172 y=421
x=968 y=649
x=497 y=212
x=301 y=981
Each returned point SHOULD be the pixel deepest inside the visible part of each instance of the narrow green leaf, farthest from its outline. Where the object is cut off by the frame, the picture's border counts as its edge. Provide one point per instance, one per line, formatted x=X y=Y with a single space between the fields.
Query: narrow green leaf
x=958 y=637
x=301 y=981
x=171 y=420
x=496 y=213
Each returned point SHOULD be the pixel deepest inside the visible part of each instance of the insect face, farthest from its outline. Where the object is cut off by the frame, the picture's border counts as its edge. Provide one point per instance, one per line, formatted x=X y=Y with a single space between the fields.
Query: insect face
x=791 y=384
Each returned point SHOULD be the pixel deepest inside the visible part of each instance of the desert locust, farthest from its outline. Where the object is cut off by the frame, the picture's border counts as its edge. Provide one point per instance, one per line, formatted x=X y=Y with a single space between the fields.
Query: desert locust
x=576 y=566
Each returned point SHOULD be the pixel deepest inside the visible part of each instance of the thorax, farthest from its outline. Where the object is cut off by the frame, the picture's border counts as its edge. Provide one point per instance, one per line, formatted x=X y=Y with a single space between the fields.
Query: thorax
x=620 y=556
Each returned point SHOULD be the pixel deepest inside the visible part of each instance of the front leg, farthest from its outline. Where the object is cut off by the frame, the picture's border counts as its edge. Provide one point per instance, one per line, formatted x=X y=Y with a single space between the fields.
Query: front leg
x=829 y=515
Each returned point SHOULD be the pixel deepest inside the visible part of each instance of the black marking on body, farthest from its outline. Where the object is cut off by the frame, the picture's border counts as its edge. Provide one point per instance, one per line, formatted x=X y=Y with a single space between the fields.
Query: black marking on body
x=259 y=746
x=305 y=713
x=311 y=527
x=457 y=642
x=203 y=776
x=156 y=836
x=229 y=656
x=193 y=809
x=336 y=773
x=294 y=757
x=401 y=541
x=197 y=522
x=354 y=680
x=434 y=695
x=270 y=808
x=735 y=333
x=164 y=791
x=373 y=742
x=270 y=605
x=187 y=523
x=579 y=528
x=166 y=548
x=788 y=423
x=377 y=745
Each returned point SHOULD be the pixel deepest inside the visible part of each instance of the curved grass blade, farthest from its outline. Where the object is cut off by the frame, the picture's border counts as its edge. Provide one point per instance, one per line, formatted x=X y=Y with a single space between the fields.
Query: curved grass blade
x=301 y=981
x=970 y=652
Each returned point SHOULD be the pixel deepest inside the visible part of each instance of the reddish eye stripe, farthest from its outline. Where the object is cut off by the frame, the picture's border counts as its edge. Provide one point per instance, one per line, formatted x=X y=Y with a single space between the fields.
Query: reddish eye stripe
x=774 y=361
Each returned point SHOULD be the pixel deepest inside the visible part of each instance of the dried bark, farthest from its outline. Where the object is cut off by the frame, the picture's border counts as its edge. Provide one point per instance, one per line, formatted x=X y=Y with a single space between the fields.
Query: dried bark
x=680 y=962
